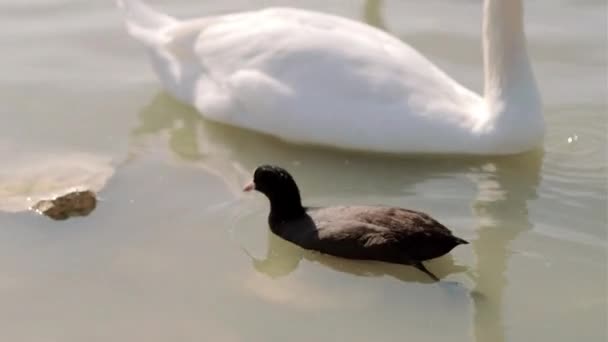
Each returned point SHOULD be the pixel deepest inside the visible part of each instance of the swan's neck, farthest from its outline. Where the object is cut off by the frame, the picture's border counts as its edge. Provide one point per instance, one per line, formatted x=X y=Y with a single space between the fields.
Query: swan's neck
x=510 y=89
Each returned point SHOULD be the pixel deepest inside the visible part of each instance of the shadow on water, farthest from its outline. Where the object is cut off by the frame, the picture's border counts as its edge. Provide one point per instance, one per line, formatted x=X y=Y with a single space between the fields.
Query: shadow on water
x=504 y=185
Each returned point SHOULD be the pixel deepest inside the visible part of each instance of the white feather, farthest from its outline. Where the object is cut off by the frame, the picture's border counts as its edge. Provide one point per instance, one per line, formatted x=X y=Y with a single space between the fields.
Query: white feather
x=314 y=78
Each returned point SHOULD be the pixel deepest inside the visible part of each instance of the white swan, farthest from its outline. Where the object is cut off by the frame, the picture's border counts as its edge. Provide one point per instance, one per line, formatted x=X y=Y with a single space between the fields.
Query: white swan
x=314 y=78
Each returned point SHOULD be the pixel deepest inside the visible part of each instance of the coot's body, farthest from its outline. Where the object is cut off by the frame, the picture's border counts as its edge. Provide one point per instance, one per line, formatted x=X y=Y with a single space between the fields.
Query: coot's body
x=386 y=234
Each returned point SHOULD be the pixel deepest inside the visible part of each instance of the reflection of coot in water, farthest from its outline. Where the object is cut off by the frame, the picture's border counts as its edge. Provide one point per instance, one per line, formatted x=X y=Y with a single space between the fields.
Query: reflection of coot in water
x=77 y=203
x=388 y=234
x=283 y=257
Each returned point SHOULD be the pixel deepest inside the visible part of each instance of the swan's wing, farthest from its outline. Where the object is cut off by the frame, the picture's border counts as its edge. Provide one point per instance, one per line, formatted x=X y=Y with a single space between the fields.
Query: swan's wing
x=288 y=72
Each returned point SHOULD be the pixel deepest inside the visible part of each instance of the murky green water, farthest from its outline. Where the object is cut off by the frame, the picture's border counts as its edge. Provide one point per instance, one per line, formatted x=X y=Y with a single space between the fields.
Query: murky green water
x=175 y=252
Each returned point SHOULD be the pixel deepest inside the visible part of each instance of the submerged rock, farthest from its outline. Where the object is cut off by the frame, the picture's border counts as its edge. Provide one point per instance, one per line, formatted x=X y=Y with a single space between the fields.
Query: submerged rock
x=76 y=203
x=29 y=177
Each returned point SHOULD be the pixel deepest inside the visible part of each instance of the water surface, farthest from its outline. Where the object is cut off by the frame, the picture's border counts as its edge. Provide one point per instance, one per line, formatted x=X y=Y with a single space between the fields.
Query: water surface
x=176 y=252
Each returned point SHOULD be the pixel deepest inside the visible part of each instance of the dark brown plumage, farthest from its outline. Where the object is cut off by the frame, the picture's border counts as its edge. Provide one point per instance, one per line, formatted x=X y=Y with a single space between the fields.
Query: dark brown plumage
x=379 y=233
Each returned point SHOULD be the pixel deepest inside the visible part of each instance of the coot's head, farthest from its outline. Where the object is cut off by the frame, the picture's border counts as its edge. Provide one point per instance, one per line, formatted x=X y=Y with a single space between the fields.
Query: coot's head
x=277 y=184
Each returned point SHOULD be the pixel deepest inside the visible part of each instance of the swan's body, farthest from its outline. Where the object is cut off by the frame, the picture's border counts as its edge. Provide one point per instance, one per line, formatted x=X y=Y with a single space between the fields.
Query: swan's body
x=313 y=78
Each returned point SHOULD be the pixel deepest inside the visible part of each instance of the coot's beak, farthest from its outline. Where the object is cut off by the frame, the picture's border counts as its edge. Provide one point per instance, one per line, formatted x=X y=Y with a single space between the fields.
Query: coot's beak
x=250 y=186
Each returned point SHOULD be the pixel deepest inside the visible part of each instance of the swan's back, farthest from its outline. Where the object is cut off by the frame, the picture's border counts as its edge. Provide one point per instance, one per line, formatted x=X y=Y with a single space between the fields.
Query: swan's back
x=314 y=78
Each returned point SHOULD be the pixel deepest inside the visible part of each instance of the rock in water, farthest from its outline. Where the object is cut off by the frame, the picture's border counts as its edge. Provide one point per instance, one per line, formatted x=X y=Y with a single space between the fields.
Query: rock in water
x=76 y=203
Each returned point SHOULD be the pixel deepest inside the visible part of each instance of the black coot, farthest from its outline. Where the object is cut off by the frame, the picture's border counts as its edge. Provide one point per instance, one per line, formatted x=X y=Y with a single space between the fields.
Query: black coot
x=388 y=234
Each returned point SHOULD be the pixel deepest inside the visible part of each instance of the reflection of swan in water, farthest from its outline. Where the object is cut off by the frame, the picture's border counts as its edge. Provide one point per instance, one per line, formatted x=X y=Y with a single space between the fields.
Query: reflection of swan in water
x=233 y=153
x=501 y=208
x=505 y=184
x=372 y=14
